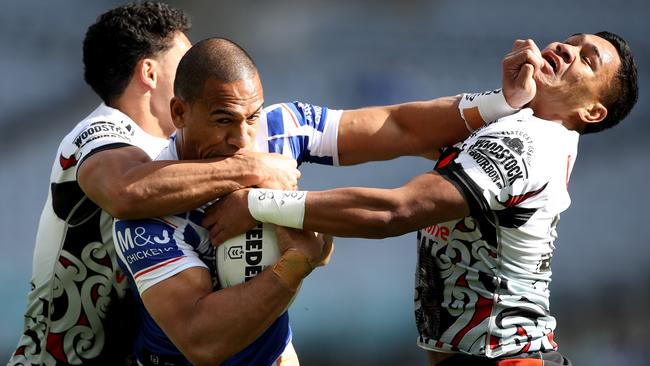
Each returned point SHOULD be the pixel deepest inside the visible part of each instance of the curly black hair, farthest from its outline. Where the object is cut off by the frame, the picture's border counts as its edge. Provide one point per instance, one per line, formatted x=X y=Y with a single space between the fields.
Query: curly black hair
x=121 y=37
x=624 y=93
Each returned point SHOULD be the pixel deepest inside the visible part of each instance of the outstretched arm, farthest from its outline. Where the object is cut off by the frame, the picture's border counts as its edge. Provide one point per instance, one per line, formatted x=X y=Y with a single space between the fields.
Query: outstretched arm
x=421 y=128
x=383 y=133
x=128 y=185
x=357 y=212
x=379 y=213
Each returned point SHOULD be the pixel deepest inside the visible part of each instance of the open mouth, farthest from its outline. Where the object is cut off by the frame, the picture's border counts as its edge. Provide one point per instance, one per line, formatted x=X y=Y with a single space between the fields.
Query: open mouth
x=552 y=63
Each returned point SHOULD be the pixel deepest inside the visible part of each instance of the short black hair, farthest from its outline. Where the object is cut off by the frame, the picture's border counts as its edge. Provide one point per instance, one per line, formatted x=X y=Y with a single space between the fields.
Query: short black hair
x=218 y=58
x=121 y=37
x=624 y=91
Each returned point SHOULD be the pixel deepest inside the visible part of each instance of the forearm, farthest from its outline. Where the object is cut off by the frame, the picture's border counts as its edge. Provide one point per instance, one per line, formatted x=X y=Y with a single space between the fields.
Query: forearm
x=167 y=187
x=360 y=212
x=416 y=128
x=128 y=185
x=209 y=326
x=228 y=320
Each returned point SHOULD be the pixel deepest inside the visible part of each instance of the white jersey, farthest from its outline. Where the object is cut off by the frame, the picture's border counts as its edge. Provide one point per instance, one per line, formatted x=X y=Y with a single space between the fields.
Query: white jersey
x=152 y=250
x=482 y=282
x=72 y=314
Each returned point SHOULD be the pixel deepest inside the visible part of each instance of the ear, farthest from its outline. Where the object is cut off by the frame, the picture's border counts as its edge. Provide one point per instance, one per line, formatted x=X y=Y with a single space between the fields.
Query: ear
x=179 y=111
x=593 y=113
x=147 y=72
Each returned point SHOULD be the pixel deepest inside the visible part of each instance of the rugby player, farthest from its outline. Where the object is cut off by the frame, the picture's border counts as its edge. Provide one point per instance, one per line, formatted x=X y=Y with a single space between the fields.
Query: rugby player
x=102 y=169
x=487 y=214
x=217 y=109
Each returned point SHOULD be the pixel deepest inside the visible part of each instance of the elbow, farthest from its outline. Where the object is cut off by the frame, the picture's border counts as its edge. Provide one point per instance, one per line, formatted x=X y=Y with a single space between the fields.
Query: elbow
x=206 y=351
x=200 y=351
x=121 y=204
x=204 y=356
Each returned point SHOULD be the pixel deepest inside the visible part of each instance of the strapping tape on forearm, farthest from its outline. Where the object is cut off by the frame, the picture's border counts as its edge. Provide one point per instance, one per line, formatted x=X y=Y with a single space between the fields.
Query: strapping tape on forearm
x=479 y=108
x=283 y=208
x=292 y=267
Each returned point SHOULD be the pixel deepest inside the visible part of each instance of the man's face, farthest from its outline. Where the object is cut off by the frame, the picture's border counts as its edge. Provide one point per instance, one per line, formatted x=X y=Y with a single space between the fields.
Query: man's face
x=222 y=121
x=578 y=70
x=167 y=62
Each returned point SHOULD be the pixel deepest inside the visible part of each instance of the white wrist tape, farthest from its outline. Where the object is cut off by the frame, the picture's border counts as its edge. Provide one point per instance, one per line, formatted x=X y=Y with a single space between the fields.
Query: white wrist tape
x=282 y=208
x=479 y=108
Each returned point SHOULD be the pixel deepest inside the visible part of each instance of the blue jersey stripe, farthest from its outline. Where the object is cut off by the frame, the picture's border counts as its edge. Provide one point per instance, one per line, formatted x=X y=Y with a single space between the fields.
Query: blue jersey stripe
x=300 y=117
x=275 y=122
x=298 y=146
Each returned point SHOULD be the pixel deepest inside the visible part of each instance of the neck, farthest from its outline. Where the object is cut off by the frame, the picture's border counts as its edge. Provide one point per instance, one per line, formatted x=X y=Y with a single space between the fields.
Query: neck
x=555 y=111
x=138 y=107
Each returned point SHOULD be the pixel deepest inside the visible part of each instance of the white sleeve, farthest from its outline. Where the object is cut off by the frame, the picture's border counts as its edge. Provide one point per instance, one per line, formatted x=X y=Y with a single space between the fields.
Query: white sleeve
x=307 y=132
x=493 y=169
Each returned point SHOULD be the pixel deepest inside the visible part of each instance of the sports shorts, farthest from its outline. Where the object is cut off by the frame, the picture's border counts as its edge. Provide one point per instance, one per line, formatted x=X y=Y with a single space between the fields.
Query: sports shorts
x=548 y=358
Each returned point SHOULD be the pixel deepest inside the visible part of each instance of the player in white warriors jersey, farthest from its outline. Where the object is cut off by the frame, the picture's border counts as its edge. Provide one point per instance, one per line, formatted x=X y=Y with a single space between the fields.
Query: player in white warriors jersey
x=104 y=169
x=487 y=214
x=76 y=312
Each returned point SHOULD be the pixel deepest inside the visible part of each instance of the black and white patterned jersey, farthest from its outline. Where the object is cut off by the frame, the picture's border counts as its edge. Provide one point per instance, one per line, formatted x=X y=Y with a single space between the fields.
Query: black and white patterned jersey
x=482 y=282
x=73 y=316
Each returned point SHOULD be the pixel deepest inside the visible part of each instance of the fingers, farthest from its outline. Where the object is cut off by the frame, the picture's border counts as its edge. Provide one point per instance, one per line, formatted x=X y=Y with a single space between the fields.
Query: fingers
x=524 y=51
x=210 y=217
x=327 y=250
x=216 y=236
x=527 y=72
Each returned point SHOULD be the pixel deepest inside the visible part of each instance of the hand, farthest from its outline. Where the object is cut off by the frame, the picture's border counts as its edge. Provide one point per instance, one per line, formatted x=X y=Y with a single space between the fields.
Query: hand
x=277 y=171
x=519 y=69
x=229 y=217
x=318 y=248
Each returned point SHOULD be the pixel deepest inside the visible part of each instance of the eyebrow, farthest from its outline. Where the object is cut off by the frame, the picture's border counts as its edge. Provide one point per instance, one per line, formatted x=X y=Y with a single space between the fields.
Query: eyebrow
x=222 y=111
x=231 y=113
x=258 y=110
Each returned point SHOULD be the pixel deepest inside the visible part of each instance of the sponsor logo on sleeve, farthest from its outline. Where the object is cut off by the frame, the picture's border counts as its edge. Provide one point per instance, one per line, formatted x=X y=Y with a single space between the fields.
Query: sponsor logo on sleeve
x=145 y=243
x=311 y=113
x=103 y=129
x=503 y=158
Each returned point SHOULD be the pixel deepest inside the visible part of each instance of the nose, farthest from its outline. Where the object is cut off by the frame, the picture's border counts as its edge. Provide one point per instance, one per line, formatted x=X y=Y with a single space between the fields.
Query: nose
x=567 y=52
x=240 y=136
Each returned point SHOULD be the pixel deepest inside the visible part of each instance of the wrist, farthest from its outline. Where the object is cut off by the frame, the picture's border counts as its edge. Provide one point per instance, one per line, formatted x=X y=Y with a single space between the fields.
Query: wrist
x=292 y=267
x=476 y=109
x=283 y=208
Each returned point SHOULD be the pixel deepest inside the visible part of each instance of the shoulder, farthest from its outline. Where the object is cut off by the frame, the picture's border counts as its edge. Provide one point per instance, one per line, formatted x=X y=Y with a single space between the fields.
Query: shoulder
x=102 y=122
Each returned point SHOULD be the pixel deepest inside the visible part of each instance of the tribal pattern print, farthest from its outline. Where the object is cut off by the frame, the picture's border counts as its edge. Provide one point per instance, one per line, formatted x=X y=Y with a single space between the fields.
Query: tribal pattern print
x=482 y=282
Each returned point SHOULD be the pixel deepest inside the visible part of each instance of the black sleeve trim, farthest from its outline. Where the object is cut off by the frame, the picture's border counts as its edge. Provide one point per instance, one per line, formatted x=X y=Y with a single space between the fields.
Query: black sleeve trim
x=115 y=145
x=478 y=206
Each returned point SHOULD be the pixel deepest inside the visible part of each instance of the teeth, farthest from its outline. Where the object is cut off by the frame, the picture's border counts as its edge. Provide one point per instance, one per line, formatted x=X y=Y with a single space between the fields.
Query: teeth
x=551 y=63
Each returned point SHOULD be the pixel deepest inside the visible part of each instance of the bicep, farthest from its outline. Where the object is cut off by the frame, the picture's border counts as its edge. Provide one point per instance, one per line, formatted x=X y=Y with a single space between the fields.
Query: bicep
x=431 y=198
x=101 y=174
x=172 y=302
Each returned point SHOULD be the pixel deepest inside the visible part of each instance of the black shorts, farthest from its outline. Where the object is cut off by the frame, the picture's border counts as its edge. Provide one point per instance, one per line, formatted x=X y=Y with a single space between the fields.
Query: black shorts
x=548 y=358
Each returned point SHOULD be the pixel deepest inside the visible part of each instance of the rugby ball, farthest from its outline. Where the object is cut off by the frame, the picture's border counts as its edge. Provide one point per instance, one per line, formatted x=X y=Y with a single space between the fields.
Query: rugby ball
x=242 y=257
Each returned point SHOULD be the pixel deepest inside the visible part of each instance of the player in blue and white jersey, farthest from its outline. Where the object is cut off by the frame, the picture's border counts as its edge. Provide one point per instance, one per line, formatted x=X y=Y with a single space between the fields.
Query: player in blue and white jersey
x=486 y=216
x=217 y=110
x=77 y=310
x=169 y=260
